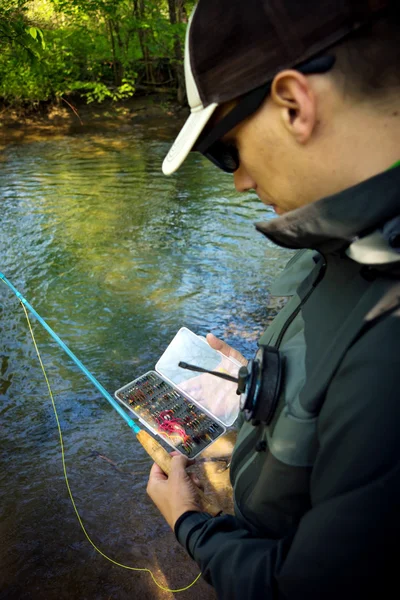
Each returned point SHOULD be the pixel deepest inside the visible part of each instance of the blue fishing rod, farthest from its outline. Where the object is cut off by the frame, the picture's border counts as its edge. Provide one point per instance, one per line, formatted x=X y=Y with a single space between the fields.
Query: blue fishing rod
x=152 y=447
x=76 y=360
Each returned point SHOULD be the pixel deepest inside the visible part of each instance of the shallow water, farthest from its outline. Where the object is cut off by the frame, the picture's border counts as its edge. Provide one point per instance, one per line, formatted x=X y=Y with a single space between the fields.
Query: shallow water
x=116 y=257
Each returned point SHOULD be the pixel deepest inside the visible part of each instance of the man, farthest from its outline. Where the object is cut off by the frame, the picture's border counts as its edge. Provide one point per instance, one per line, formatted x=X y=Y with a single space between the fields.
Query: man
x=300 y=101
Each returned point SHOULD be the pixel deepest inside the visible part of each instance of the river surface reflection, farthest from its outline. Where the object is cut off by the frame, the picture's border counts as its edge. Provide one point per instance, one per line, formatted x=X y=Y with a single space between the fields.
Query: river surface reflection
x=116 y=257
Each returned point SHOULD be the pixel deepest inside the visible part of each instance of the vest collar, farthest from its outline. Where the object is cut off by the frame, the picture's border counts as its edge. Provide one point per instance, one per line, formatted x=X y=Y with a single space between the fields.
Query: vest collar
x=345 y=221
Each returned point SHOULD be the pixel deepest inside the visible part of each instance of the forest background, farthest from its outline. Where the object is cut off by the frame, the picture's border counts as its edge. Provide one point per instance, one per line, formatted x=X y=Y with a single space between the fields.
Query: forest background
x=68 y=51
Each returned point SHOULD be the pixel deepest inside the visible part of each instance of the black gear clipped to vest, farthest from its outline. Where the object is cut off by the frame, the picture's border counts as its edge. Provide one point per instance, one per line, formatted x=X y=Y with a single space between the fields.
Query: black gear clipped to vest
x=260 y=385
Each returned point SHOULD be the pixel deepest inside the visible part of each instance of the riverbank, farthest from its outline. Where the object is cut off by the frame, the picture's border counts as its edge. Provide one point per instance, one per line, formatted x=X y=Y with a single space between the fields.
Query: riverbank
x=65 y=118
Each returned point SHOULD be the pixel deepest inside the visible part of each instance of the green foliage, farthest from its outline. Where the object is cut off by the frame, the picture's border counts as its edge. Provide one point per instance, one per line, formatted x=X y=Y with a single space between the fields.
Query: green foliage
x=95 y=49
x=17 y=32
x=98 y=91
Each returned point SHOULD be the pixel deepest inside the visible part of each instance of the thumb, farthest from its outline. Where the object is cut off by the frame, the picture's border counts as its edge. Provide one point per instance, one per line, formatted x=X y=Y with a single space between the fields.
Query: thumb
x=216 y=343
x=178 y=467
x=225 y=349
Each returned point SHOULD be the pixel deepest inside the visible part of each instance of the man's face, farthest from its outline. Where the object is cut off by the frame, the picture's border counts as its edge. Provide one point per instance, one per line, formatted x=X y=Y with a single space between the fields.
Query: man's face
x=270 y=161
x=286 y=149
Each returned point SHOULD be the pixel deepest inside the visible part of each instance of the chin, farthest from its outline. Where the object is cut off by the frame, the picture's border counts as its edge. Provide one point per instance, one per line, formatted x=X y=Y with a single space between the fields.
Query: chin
x=278 y=209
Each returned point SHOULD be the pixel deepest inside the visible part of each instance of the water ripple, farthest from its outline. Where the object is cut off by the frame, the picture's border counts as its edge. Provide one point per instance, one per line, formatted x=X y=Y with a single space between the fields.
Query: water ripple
x=117 y=258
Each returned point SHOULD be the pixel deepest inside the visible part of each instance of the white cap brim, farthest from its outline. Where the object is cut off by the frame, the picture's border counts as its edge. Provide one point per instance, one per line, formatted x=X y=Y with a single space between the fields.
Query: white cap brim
x=187 y=138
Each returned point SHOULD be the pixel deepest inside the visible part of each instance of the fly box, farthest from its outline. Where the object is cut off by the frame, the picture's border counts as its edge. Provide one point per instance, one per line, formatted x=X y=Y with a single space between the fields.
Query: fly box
x=188 y=410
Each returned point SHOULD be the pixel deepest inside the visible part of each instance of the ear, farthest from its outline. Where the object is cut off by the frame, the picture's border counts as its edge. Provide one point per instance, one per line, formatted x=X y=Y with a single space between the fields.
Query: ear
x=291 y=91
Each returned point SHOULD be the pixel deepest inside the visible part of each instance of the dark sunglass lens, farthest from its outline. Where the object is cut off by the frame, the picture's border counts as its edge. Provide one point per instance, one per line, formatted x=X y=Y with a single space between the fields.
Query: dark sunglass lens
x=223 y=156
x=230 y=159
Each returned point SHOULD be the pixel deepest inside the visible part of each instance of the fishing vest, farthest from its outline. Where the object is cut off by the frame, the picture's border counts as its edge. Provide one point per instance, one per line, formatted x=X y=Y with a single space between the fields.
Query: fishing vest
x=340 y=296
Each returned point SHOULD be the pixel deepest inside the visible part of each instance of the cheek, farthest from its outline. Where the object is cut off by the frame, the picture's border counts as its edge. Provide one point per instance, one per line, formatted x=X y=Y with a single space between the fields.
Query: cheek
x=259 y=150
x=269 y=163
x=261 y=163
x=272 y=172
x=275 y=165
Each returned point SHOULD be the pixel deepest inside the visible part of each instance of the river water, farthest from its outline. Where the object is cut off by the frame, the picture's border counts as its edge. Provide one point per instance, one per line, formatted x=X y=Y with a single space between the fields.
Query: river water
x=116 y=257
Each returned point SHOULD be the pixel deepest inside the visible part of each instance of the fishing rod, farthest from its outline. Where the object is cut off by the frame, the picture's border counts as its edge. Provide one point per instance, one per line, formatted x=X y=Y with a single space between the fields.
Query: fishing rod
x=152 y=447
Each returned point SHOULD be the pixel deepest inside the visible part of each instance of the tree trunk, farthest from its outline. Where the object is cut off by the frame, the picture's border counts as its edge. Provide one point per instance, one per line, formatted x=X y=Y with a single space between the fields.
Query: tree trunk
x=115 y=71
x=120 y=67
x=177 y=14
x=139 y=13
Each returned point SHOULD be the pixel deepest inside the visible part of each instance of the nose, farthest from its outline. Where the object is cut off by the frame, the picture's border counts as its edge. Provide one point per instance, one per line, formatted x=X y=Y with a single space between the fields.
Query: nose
x=242 y=180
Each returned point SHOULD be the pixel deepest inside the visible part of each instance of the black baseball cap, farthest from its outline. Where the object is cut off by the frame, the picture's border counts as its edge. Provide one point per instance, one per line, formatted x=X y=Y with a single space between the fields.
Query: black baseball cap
x=233 y=47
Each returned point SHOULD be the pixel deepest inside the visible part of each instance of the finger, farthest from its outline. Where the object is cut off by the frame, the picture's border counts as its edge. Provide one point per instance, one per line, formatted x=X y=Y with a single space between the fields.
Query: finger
x=156 y=473
x=180 y=462
x=189 y=461
x=177 y=472
x=216 y=343
x=225 y=349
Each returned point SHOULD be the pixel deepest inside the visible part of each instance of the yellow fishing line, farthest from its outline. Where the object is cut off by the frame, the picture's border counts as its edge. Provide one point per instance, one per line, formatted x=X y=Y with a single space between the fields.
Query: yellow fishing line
x=165 y=589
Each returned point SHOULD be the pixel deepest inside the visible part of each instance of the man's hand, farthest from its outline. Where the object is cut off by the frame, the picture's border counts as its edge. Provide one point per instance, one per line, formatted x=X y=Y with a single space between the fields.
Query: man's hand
x=175 y=494
x=225 y=349
x=178 y=493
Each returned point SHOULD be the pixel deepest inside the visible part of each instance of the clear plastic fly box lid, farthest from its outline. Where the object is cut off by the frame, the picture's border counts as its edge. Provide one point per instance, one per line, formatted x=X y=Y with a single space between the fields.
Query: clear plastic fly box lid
x=218 y=396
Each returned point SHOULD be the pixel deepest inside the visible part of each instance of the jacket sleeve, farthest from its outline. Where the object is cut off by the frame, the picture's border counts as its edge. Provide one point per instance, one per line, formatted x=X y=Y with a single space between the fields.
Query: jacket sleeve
x=346 y=544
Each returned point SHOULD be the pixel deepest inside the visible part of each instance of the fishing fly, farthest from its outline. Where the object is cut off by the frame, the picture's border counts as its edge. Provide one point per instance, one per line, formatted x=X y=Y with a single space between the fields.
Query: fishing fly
x=166 y=412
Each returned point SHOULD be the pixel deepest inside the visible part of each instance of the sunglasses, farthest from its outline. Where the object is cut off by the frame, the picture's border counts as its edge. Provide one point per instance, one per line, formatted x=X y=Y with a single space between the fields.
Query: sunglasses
x=225 y=156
